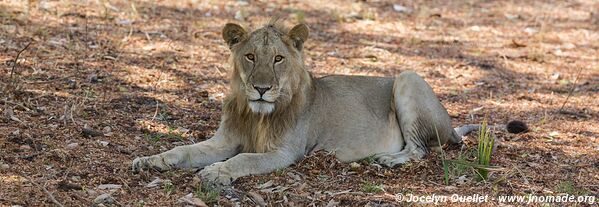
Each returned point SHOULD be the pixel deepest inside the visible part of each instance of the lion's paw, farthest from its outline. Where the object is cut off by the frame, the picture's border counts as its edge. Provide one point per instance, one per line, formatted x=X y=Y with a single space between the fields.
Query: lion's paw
x=391 y=160
x=149 y=162
x=217 y=174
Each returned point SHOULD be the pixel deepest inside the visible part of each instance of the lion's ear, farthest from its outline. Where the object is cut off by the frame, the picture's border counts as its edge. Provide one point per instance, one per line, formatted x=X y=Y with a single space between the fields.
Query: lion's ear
x=233 y=34
x=299 y=35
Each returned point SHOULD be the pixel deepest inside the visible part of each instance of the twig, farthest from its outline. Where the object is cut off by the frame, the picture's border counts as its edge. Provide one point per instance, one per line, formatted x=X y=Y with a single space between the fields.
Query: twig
x=14 y=65
x=48 y=81
x=50 y=196
x=155 y=89
x=571 y=90
x=16 y=104
x=155 y=111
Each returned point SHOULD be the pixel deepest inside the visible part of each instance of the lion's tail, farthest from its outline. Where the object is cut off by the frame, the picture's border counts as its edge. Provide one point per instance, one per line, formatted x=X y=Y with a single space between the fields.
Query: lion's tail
x=466 y=129
x=514 y=127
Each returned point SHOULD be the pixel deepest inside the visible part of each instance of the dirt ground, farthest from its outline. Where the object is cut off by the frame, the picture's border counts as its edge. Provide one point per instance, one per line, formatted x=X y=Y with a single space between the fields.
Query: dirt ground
x=100 y=82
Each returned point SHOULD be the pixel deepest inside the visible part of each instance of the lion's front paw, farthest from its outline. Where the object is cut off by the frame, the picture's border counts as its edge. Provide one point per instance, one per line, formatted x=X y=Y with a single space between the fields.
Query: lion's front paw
x=217 y=174
x=149 y=162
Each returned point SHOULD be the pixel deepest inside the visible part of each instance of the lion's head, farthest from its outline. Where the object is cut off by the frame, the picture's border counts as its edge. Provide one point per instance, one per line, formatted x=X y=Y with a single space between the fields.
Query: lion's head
x=269 y=84
x=268 y=63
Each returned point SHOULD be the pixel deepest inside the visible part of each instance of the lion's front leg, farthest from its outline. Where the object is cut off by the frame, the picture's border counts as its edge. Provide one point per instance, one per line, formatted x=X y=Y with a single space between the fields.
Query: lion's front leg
x=223 y=173
x=198 y=155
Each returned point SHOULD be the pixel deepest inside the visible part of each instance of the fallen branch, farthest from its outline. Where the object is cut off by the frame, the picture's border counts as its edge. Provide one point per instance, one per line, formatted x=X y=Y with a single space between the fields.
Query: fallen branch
x=14 y=65
x=50 y=196
x=16 y=104
x=561 y=109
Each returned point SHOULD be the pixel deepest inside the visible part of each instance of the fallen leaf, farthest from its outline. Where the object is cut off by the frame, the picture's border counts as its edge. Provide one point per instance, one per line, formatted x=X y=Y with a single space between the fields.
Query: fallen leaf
x=155 y=182
x=109 y=186
x=67 y=186
x=517 y=44
x=189 y=199
x=257 y=198
x=332 y=203
x=265 y=185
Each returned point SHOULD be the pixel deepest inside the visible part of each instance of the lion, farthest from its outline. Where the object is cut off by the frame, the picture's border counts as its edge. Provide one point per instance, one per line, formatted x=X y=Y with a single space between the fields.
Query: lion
x=277 y=112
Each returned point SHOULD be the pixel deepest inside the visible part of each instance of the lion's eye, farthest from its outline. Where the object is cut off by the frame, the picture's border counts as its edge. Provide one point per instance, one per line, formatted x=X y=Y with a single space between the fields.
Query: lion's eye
x=278 y=58
x=250 y=57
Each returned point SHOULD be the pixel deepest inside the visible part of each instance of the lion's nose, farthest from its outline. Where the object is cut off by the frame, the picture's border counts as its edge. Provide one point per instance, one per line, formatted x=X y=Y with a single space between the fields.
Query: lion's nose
x=262 y=89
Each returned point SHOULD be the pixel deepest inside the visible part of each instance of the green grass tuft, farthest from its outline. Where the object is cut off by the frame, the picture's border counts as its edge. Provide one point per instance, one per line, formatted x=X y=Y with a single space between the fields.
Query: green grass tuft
x=369 y=187
x=569 y=188
x=485 y=150
x=168 y=188
x=443 y=159
x=370 y=159
x=207 y=194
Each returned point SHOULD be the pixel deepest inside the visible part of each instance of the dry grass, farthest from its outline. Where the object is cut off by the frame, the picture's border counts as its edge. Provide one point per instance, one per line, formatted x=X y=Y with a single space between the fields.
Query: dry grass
x=150 y=76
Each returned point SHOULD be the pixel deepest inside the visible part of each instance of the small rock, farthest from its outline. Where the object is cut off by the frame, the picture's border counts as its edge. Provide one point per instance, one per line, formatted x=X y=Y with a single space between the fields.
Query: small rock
x=4 y=166
x=104 y=143
x=354 y=165
x=72 y=145
x=555 y=76
x=531 y=30
x=25 y=147
x=401 y=9
x=109 y=186
x=93 y=78
x=15 y=133
x=72 y=84
x=88 y=132
x=106 y=129
x=104 y=199
x=239 y=15
x=462 y=180
x=156 y=182
x=475 y=28
x=189 y=199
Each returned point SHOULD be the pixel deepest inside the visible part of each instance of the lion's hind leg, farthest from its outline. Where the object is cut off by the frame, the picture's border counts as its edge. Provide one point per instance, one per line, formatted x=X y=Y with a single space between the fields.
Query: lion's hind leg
x=422 y=119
